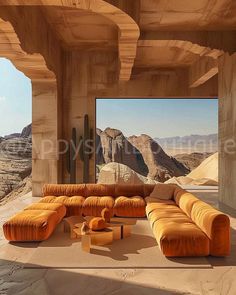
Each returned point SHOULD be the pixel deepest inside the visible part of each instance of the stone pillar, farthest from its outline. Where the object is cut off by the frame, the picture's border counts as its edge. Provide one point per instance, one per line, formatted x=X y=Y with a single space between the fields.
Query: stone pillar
x=227 y=130
x=44 y=134
x=77 y=103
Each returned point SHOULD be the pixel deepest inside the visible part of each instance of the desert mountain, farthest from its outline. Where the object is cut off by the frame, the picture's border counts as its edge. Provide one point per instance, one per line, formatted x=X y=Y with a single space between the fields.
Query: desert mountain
x=27 y=131
x=112 y=146
x=161 y=166
x=193 y=160
x=15 y=160
x=141 y=153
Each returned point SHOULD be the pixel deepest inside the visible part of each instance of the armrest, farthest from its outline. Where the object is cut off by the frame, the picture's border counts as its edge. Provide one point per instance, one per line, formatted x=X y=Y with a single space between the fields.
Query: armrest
x=215 y=224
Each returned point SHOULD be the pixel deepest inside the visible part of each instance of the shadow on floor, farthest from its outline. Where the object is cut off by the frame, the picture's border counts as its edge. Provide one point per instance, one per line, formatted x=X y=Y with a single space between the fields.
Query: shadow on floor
x=17 y=280
x=120 y=248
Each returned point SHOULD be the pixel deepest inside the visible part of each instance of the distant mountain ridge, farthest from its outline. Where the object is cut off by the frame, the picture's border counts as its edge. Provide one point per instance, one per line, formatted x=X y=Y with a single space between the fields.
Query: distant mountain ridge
x=189 y=140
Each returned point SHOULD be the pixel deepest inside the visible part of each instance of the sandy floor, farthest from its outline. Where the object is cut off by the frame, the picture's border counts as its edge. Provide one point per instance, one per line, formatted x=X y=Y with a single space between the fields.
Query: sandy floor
x=16 y=280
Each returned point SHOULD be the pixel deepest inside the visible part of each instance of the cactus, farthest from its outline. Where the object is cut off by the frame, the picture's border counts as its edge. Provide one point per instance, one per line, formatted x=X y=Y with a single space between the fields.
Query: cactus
x=71 y=157
x=85 y=148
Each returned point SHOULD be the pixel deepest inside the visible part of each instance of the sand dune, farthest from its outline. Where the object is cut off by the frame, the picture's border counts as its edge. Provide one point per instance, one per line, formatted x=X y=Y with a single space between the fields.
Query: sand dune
x=205 y=174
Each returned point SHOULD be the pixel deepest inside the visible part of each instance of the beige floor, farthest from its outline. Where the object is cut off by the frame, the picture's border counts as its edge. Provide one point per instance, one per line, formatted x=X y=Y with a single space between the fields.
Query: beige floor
x=16 y=280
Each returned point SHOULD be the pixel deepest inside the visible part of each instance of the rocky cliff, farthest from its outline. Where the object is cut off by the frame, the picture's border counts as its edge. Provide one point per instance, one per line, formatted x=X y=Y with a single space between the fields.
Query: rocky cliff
x=15 y=160
x=193 y=160
x=161 y=166
x=141 y=153
x=114 y=147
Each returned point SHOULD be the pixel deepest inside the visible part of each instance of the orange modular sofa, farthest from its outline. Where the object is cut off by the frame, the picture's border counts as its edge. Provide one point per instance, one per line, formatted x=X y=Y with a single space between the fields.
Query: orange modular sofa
x=182 y=224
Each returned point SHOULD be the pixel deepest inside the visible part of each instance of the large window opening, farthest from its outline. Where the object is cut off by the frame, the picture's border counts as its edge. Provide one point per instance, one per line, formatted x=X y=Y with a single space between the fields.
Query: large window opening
x=157 y=140
x=15 y=132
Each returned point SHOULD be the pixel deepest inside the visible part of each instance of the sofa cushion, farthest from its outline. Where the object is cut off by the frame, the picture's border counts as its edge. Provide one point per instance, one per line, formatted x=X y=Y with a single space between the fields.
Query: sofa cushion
x=129 y=206
x=94 y=205
x=171 y=212
x=31 y=225
x=179 y=236
x=100 y=189
x=51 y=199
x=185 y=201
x=73 y=204
x=64 y=190
x=158 y=204
x=59 y=208
x=128 y=190
x=163 y=191
x=215 y=225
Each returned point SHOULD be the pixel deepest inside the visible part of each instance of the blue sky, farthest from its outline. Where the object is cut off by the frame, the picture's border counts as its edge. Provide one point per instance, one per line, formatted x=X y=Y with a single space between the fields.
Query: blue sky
x=15 y=99
x=159 y=117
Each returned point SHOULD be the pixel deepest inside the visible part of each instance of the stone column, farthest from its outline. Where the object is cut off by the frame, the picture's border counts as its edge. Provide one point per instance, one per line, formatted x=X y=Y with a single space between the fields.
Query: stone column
x=227 y=130
x=44 y=134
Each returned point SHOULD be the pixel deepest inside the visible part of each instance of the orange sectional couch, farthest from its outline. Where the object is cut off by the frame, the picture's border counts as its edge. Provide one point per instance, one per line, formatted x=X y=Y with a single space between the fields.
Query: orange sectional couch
x=182 y=224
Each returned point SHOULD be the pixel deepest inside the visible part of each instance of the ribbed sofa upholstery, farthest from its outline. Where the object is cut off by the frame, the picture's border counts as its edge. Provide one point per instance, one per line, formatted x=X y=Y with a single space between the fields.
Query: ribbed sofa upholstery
x=90 y=199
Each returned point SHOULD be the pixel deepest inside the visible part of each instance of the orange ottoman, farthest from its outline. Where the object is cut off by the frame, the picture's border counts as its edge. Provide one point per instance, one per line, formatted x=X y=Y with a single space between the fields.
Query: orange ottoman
x=31 y=225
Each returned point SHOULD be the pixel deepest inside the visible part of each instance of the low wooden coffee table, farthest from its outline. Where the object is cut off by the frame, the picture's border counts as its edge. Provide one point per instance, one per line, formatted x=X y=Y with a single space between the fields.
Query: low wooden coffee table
x=116 y=229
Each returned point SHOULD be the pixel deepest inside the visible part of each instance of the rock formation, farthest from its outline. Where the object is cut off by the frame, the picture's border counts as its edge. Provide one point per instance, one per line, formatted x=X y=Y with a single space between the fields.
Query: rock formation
x=15 y=162
x=193 y=160
x=27 y=131
x=121 y=174
x=161 y=166
x=114 y=147
x=99 y=150
x=21 y=189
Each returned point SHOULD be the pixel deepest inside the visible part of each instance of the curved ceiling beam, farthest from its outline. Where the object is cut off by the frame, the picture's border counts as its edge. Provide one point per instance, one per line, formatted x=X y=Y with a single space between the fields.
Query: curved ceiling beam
x=185 y=45
x=32 y=65
x=128 y=29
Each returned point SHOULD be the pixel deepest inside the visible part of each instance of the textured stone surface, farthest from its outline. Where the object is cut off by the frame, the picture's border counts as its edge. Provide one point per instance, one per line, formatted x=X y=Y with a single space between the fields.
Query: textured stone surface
x=193 y=160
x=227 y=123
x=15 y=163
x=27 y=131
x=161 y=167
x=140 y=153
x=122 y=174
x=116 y=148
